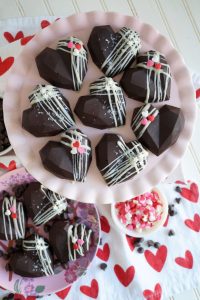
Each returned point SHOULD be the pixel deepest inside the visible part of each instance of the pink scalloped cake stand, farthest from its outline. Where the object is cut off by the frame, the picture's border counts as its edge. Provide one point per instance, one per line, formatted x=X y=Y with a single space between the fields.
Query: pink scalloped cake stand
x=62 y=278
x=25 y=76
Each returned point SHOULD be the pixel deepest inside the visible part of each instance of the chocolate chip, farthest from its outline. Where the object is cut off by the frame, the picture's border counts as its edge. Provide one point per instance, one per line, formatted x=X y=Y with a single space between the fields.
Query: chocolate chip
x=140 y=250
x=137 y=241
x=172 y=213
x=100 y=242
x=178 y=200
x=150 y=243
x=171 y=232
x=103 y=266
x=178 y=189
x=157 y=245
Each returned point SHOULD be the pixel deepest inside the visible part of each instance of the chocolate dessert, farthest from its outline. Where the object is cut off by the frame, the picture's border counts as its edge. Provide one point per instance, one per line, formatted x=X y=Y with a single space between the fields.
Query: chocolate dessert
x=69 y=241
x=105 y=107
x=35 y=260
x=65 y=66
x=157 y=130
x=119 y=161
x=50 y=109
x=42 y=205
x=4 y=141
x=12 y=219
x=149 y=80
x=113 y=51
x=70 y=158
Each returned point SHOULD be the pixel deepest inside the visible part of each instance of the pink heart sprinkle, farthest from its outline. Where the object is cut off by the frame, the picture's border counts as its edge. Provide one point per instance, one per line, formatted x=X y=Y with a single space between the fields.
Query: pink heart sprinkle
x=81 y=150
x=150 y=63
x=144 y=122
x=70 y=45
x=12 y=209
x=80 y=242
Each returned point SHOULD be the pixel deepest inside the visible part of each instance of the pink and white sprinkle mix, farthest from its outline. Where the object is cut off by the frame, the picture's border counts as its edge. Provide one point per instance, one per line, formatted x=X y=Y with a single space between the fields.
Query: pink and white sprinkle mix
x=141 y=212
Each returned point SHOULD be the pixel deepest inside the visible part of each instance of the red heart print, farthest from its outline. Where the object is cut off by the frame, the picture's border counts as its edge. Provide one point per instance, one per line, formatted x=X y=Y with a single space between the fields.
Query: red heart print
x=166 y=221
x=185 y=262
x=125 y=277
x=26 y=39
x=105 y=226
x=44 y=23
x=156 y=261
x=6 y=64
x=76 y=144
x=10 y=167
x=104 y=253
x=197 y=93
x=155 y=295
x=92 y=290
x=158 y=66
x=191 y=194
x=130 y=241
x=193 y=224
x=10 y=38
x=180 y=182
x=63 y=294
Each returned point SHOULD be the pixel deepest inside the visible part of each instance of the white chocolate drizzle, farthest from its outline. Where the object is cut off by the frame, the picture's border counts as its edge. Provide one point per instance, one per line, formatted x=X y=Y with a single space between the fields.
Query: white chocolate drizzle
x=80 y=152
x=78 y=59
x=123 y=53
x=154 y=75
x=128 y=164
x=40 y=246
x=143 y=113
x=50 y=100
x=82 y=240
x=107 y=86
x=13 y=216
x=55 y=206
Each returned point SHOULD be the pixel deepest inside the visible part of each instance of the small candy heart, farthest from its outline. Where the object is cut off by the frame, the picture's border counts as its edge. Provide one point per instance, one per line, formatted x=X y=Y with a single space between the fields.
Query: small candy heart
x=145 y=113
x=78 y=46
x=143 y=122
x=156 y=58
x=13 y=209
x=157 y=66
x=76 y=144
x=81 y=150
x=80 y=242
x=8 y=212
x=150 y=63
x=14 y=216
x=74 y=151
x=151 y=118
x=75 y=246
x=70 y=45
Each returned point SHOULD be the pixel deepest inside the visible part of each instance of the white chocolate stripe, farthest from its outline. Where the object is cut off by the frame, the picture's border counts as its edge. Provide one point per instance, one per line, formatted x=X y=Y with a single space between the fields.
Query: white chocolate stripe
x=131 y=161
x=41 y=247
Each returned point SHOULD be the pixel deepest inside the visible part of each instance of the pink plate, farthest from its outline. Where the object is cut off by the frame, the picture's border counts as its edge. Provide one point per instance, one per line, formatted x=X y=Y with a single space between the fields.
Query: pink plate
x=24 y=77
x=46 y=285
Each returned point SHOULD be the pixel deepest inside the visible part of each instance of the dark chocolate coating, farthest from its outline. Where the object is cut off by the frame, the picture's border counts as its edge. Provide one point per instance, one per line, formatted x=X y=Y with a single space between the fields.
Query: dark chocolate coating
x=58 y=240
x=108 y=151
x=164 y=131
x=101 y=43
x=37 y=121
x=27 y=263
x=4 y=141
x=134 y=81
x=55 y=67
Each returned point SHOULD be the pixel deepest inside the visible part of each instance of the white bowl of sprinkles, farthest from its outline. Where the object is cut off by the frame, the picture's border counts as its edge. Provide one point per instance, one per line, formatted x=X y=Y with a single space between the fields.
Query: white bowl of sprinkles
x=141 y=215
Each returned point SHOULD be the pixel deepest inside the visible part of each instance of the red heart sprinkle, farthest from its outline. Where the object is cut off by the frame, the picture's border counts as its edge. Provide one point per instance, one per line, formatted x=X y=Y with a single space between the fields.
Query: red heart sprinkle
x=75 y=246
x=14 y=216
x=157 y=66
x=76 y=144
x=78 y=46
x=151 y=118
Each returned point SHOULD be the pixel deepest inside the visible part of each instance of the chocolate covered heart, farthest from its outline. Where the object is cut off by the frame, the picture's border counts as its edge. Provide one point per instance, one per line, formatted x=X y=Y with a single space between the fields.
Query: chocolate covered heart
x=70 y=158
x=50 y=112
x=69 y=241
x=119 y=161
x=42 y=205
x=157 y=130
x=149 y=80
x=35 y=260
x=12 y=219
x=105 y=107
x=66 y=66
x=113 y=52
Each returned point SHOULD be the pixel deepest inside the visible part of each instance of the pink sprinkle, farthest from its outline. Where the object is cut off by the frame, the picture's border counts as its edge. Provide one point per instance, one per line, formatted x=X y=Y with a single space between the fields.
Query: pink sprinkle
x=13 y=209
x=80 y=242
x=70 y=45
x=81 y=150
x=150 y=63
x=143 y=121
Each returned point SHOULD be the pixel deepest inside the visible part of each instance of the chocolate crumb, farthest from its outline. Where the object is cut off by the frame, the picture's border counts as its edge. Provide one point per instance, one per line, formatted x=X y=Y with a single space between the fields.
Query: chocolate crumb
x=157 y=245
x=140 y=250
x=103 y=266
x=171 y=232
x=178 y=200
